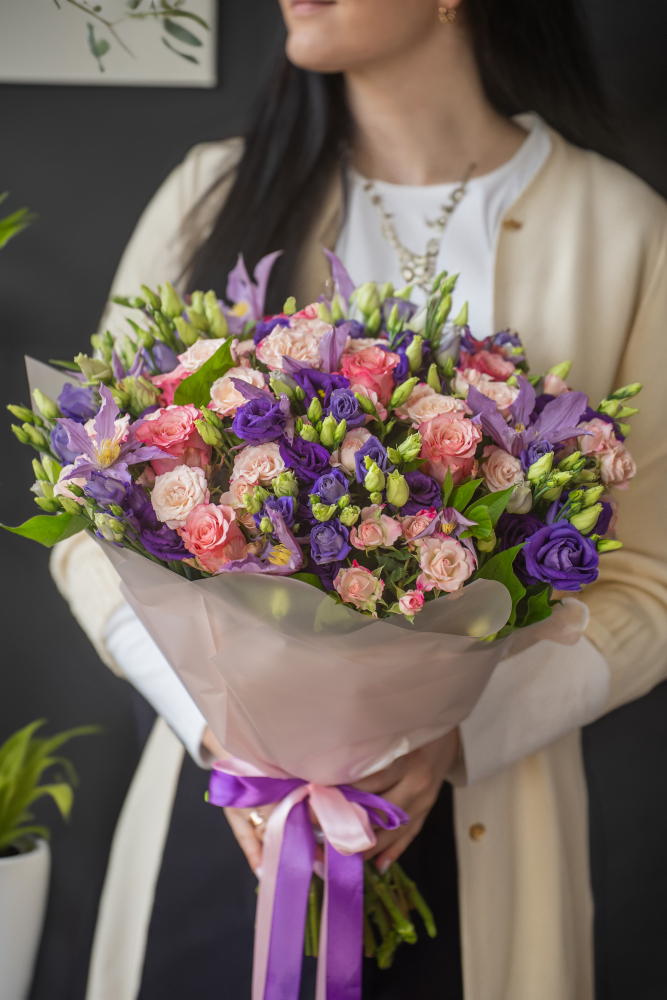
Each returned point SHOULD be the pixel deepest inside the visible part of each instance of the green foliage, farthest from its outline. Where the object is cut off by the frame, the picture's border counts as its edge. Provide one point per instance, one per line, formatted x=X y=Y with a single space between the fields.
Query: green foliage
x=463 y=494
x=196 y=389
x=49 y=529
x=500 y=568
x=14 y=223
x=494 y=503
x=310 y=578
x=24 y=758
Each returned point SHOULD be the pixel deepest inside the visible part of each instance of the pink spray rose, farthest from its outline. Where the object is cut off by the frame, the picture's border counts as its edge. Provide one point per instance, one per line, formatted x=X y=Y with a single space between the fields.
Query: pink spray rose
x=373 y=396
x=258 y=463
x=212 y=534
x=445 y=563
x=173 y=430
x=353 y=441
x=300 y=340
x=617 y=466
x=373 y=368
x=178 y=492
x=425 y=403
x=375 y=529
x=200 y=352
x=357 y=585
x=414 y=524
x=602 y=434
x=463 y=379
x=226 y=398
x=411 y=602
x=488 y=363
x=502 y=394
x=168 y=384
x=500 y=470
x=555 y=386
x=449 y=442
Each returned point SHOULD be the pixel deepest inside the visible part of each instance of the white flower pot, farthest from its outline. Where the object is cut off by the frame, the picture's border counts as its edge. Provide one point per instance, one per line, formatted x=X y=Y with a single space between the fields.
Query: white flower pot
x=24 y=884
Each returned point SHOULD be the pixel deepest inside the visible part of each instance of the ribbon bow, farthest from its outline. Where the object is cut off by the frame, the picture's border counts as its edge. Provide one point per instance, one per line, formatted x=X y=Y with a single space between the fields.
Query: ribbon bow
x=345 y=815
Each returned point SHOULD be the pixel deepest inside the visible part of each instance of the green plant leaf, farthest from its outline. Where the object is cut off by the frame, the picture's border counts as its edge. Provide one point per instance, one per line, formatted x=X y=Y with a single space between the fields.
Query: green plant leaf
x=311 y=578
x=14 y=223
x=47 y=529
x=61 y=793
x=447 y=488
x=500 y=568
x=186 y=13
x=483 y=527
x=196 y=389
x=463 y=494
x=538 y=608
x=183 y=55
x=495 y=504
x=180 y=33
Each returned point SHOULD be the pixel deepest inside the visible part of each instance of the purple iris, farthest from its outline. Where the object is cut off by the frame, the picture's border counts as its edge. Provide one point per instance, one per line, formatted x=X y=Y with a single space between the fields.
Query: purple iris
x=424 y=493
x=535 y=451
x=284 y=506
x=562 y=557
x=156 y=537
x=515 y=529
x=376 y=451
x=306 y=459
x=320 y=384
x=78 y=402
x=260 y=419
x=331 y=486
x=106 y=488
x=266 y=326
x=343 y=405
x=329 y=542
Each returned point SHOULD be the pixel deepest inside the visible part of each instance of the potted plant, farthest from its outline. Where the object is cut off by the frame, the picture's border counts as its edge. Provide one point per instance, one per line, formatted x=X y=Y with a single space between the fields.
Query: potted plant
x=24 y=852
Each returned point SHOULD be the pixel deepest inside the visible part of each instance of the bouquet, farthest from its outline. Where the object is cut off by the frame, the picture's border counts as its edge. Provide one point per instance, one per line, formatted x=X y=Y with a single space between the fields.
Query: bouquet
x=360 y=480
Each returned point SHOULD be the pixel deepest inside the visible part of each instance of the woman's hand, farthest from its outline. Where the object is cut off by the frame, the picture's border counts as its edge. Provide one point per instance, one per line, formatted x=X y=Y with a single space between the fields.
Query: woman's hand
x=413 y=783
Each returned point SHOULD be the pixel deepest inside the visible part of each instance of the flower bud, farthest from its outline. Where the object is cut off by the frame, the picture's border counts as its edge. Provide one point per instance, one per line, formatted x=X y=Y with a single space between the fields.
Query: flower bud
x=337 y=309
x=51 y=468
x=215 y=316
x=314 y=411
x=343 y=501
x=562 y=370
x=22 y=413
x=323 y=312
x=610 y=407
x=115 y=509
x=328 y=431
x=586 y=519
x=365 y=403
x=69 y=506
x=521 y=500
x=38 y=469
x=402 y=393
x=196 y=303
x=308 y=433
x=375 y=478
x=448 y=351
x=251 y=504
x=394 y=321
x=36 y=437
x=260 y=494
x=154 y=300
x=266 y=526
x=290 y=306
x=368 y=299
x=462 y=318
x=212 y=418
x=323 y=511
x=285 y=485
x=591 y=496
x=109 y=527
x=376 y=498
x=349 y=516
x=570 y=462
x=281 y=388
x=141 y=391
x=444 y=310
x=49 y=505
x=414 y=353
x=560 y=478
x=552 y=494
x=487 y=544
x=210 y=435
x=433 y=379
x=20 y=434
x=146 y=337
x=542 y=467
x=587 y=475
x=198 y=320
x=188 y=333
x=172 y=303
x=299 y=394
x=411 y=447
x=94 y=370
x=608 y=545
x=387 y=291
x=47 y=407
x=121 y=399
x=398 y=490
x=394 y=456
x=373 y=323
x=75 y=489
x=340 y=432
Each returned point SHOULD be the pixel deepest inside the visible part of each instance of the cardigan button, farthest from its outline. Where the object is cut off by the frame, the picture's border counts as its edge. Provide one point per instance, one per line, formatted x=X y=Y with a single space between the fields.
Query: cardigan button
x=512 y=224
x=477 y=831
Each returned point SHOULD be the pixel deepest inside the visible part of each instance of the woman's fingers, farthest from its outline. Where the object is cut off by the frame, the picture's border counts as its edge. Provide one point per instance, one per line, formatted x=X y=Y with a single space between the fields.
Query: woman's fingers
x=246 y=835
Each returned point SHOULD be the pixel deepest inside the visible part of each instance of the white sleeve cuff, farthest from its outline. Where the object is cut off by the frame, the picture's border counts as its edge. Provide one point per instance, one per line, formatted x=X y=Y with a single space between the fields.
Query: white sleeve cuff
x=146 y=668
x=533 y=699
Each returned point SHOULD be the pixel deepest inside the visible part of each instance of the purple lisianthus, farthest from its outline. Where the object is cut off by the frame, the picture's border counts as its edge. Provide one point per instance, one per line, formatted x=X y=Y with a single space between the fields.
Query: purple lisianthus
x=376 y=451
x=534 y=451
x=163 y=357
x=515 y=529
x=562 y=557
x=285 y=506
x=60 y=445
x=331 y=486
x=306 y=459
x=604 y=520
x=357 y=329
x=78 y=402
x=320 y=384
x=106 y=488
x=424 y=493
x=259 y=420
x=156 y=537
x=343 y=405
x=266 y=326
x=329 y=542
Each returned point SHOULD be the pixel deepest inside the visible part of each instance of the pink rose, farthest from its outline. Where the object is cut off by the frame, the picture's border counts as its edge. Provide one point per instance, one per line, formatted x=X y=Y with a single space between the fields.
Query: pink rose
x=449 y=442
x=425 y=403
x=178 y=492
x=258 y=463
x=500 y=470
x=237 y=490
x=168 y=384
x=200 y=352
x=357 y=585
x=463 y=379
x=503 y=395
x=555 y=385
x=414 y=524
x=300 y=341
x=173 y=430
x=445 y=563
x=353 y=441
x=212 y=534
x=373 y=368
x=602 y=434
x=226 y=398
x=356 y=344
x=375 y=529
x=488 y=364
x=617 y=467
x=373 y=396
x=411 y=602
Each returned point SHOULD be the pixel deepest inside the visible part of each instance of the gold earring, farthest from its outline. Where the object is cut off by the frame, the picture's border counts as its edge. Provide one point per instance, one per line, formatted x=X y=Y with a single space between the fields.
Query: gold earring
x=446 y=15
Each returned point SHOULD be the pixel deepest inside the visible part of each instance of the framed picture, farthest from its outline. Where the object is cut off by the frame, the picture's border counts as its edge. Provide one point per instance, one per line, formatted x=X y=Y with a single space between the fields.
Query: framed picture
x=152 y=43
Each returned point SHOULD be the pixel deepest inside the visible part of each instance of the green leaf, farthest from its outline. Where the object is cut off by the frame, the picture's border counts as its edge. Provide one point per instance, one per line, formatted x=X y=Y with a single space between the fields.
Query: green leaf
x=196 y=389
x=49 y=529
x=180 y=33
x=500 y=568
x=61 y=793
x=14 y=223
x=495 y=504
x=538 y=608
x=310 y=578
x=463 y=494
x=72 y=365
x=416 y=463
x=483 y=527
x=447 y=488
x=186 y=13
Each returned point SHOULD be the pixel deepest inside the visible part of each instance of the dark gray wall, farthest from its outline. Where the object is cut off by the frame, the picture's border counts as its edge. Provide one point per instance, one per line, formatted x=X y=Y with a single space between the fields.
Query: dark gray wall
x=87 y=160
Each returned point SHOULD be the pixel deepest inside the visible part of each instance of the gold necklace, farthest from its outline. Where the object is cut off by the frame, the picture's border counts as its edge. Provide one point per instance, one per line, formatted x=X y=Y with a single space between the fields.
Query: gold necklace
x=418 y=269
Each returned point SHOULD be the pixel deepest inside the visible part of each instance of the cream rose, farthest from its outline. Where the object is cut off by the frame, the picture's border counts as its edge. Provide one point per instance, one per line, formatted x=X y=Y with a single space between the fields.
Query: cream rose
x=425 y=403
x=300 y=340
x=413 y=525
x=357 y=585
x=226 y=398
x=500 y=469
x=617 y=466
x=200 y=352
x=178 y=492
x=237 y=490
x=353 y=441
x=463 y=379
x=502 y=394
x=445 y=563
x=411 y=602
x=259 y=463
x=375 y=529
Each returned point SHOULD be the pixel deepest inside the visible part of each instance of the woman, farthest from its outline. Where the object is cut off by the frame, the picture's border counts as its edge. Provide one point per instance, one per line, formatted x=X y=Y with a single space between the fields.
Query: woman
x=390 y=127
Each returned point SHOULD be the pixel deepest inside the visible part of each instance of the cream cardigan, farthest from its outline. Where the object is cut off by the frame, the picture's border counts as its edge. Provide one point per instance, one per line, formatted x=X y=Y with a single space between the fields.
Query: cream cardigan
x=581 y=273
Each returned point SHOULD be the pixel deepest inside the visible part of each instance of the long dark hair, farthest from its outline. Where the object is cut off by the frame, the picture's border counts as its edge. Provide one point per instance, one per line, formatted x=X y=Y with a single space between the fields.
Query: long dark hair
x=533 y=55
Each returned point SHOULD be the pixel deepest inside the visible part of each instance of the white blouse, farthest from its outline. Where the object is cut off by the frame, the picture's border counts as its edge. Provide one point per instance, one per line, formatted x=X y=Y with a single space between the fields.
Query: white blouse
x=469 y=241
